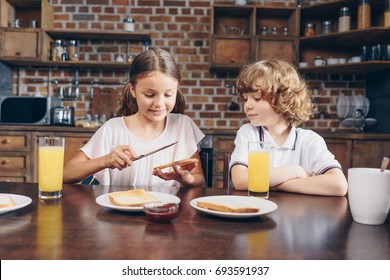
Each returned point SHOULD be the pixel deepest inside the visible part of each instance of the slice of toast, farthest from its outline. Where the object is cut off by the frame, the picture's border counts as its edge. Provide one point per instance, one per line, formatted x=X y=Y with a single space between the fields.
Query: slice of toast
x=6 y=201
x=132 y=198
x=227 y=206
x=180 y=163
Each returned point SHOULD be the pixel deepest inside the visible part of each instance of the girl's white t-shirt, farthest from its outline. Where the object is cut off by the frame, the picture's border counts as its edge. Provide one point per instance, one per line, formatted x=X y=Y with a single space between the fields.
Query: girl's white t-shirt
x=114 y=132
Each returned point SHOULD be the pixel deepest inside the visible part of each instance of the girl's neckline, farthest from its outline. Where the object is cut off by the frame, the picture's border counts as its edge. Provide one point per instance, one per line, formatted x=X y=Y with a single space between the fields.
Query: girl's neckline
x=163 y=132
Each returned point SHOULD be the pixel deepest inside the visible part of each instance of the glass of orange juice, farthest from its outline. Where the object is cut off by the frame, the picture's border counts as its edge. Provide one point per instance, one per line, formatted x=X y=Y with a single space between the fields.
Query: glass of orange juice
x=258 y=168
x=50 y=167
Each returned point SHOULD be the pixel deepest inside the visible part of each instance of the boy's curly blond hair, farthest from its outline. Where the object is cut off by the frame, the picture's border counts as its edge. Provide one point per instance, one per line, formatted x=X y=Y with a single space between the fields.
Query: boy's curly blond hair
x=280 y=84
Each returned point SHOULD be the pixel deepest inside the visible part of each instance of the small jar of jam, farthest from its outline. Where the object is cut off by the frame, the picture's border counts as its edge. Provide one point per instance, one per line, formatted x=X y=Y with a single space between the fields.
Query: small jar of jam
x=161 y=212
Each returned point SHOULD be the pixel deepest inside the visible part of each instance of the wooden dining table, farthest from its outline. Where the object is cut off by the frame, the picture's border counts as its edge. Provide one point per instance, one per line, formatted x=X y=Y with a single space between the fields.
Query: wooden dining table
x=303 y=227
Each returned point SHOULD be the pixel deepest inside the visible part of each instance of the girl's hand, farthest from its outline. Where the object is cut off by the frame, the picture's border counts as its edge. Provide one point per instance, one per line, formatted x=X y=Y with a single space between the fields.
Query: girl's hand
x=120 y=157
x=180 y=174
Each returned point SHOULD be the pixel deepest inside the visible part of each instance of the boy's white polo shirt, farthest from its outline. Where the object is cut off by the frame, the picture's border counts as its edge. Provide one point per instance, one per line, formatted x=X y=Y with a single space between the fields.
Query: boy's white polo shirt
x=302 y=147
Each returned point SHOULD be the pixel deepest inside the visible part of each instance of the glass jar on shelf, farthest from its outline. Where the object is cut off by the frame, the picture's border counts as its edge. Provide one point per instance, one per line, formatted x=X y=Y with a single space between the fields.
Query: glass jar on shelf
x=56 y=50
x=129 y=25
x=387 y=14
x=344 y=20
x=326 y=27
x=364 y=14
x=73 y=52
x=309 y=30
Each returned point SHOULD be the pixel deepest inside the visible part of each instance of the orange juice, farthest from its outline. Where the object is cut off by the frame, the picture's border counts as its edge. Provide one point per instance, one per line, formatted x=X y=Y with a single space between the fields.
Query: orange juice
x=51 y=165
x=258 y=171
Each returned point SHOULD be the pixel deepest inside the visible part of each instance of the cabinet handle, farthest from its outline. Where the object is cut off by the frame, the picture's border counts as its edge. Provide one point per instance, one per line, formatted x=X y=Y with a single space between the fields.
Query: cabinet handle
x=6 y=141
x=5 y=162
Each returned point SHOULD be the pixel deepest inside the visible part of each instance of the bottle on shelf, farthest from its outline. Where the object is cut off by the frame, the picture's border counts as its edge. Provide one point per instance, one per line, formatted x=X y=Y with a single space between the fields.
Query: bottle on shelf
x=64 y=55
x=364 y=14
x=344 y=20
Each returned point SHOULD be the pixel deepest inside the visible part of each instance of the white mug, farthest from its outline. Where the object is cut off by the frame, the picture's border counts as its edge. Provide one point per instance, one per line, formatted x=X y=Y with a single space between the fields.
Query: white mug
x=369 y=195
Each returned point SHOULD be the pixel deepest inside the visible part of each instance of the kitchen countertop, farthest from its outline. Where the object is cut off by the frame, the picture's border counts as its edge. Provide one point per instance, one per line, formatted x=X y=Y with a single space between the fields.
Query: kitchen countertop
x=232 y=132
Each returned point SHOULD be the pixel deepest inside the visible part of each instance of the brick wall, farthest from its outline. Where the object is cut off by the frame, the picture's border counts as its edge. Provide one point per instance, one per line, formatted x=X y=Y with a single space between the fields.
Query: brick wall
x=182 y=27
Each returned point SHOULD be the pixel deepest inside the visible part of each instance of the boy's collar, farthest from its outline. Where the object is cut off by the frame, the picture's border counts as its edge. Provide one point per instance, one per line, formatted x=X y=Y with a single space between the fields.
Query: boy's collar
x=288 y=144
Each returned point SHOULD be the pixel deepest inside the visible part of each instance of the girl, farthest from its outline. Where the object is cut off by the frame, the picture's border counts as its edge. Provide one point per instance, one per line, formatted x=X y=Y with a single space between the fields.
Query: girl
x=150 y=117
x=276 y=101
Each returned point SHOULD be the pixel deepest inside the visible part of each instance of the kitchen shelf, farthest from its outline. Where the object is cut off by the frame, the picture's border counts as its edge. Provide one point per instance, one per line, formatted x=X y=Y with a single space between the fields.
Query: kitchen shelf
x=342 y=44
x=67 y=64
x=81 y=35
x=99 y=34
x=348 y=38
x=365 y=67
x=229 y=52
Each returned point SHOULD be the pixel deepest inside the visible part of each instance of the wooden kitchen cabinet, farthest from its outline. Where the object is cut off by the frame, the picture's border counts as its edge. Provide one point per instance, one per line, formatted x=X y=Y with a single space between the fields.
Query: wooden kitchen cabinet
x=19 y=148
x=229 y=52
x=369 y=153
x=342 y=150
x=73 y=143
x=25 y=43
x=344 y=44
x=28 y=46
x=15 y=157
x=26 y=11
x=359 y=150
x=231 y=30
x=222 y=144
x=236 y=38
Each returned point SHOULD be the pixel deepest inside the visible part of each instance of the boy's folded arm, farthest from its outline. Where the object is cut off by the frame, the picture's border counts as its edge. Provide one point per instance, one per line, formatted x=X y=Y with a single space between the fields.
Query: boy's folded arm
x=332 y=183
x=279 y=175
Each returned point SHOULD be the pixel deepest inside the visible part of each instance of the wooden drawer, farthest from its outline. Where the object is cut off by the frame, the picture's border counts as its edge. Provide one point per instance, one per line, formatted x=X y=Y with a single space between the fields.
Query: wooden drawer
x=25 y=44
x=13 y=142
x=17 y=179
x=13 y=162
x=226 y=51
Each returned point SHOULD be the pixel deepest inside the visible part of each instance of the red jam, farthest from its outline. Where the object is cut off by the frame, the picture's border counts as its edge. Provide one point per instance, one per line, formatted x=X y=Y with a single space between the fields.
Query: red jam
x=160 y=212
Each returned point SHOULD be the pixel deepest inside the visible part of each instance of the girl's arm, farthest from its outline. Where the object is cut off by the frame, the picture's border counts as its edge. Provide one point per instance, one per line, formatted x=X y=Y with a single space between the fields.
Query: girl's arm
x=80 y=166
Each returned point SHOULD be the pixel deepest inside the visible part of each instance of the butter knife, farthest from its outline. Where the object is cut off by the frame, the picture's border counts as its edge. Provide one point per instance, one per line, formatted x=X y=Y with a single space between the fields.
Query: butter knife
x=152 y=152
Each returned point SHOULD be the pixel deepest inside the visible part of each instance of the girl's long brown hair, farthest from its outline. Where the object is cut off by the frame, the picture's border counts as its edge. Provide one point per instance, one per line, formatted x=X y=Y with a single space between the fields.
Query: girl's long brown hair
x=154 y=59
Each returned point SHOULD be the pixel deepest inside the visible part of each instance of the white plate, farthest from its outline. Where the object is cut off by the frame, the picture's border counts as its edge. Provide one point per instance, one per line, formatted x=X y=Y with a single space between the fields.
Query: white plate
x=104 y=201
x=366 y=106
x=343 y=106
x=265 y=206
x=20 y=201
